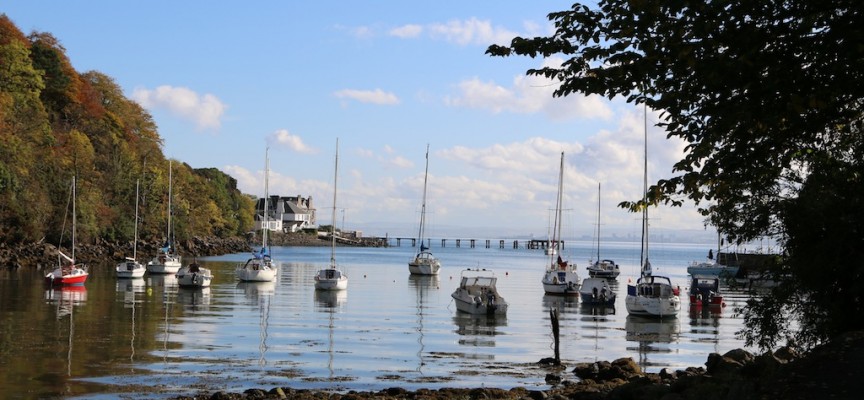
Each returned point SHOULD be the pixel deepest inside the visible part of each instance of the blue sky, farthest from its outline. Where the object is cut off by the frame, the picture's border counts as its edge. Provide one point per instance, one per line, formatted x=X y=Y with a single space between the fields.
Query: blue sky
x=225 y=80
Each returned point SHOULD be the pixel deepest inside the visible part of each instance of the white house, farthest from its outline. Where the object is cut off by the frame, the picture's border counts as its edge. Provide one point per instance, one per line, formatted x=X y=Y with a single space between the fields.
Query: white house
x=286 y=214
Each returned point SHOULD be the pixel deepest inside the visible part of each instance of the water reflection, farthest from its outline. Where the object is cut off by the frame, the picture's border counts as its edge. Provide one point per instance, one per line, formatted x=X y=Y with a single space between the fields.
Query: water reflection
x=127 y=292
x=422 y=285
x=478 y=330
x=651 y=334
x=65 y=299
x=194 y=298
x=330 y=301
x=260 y=294
x=564 y=304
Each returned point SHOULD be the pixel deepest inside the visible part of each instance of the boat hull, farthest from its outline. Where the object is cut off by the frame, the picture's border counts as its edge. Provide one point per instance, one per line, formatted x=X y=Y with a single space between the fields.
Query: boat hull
x=468 y=304
x=655 y=307
x=130 y=269
x=256 y=270
x=606 y=269
x=424 y=266
x=194 y=279
x=331 y=279
x=164 y=265
x=66 y=276
x=561 y=282
x=712 y=270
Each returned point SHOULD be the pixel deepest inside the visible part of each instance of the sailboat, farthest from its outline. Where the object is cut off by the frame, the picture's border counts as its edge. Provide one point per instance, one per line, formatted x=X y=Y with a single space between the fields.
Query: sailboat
x=168 y=261
x=72 y=273
x=653 y=295
x=424 y=263
x=602 y=268
x=259 y=268
x=130 y=267
x=561 y=276
x=332 y=278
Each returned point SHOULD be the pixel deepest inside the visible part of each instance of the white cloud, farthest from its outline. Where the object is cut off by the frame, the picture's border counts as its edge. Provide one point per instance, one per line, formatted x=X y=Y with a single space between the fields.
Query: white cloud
x=376 y=96
x=471 y=31
x=400 y=162
x=285 y=139
x=528 y=95
x=407 y=31
x=204 y=110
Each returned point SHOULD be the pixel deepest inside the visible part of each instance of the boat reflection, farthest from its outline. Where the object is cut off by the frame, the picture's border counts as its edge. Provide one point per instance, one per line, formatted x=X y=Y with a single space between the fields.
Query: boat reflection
x=422 y=284
x=330 y=300
x=596 y=309
x=650 y=334
x=194 y=298
x=66 y=298
x=478 y=330
x=167 y=282
x=564 y=304
x=260 y=294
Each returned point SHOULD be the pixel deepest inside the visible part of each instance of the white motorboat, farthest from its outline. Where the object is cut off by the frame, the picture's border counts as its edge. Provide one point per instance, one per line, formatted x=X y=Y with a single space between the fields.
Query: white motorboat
x=260 y=267
x=167 y=261
x=712 y=267
x=331 y=278
x=194 y=276
x=560 y=277
x=596 y=291
x=424 y=263
x=477 y=293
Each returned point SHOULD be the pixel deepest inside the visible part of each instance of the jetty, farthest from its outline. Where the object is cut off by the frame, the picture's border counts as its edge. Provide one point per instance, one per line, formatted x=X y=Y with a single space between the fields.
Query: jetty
x=531 y=244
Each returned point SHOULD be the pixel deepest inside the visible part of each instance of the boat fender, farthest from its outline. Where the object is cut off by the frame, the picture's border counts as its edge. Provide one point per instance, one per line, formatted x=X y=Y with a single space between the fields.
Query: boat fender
x=195 y=278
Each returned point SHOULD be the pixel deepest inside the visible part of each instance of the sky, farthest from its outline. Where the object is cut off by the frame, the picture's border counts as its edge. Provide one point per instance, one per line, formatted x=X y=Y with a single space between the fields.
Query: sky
x=224 y=81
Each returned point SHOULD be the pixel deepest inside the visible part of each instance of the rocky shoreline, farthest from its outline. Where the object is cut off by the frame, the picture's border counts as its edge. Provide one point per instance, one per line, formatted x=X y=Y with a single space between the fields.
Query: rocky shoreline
x=829 y=371
x=41 y=255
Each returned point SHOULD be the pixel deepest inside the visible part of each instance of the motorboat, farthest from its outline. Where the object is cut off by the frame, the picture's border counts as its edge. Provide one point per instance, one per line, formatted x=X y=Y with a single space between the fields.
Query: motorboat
x=596 y=291
x=194 y=276
x=477 y=293
x=705 y=291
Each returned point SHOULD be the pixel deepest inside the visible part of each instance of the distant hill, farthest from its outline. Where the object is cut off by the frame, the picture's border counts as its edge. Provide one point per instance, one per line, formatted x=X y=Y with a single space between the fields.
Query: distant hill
x=56 y=123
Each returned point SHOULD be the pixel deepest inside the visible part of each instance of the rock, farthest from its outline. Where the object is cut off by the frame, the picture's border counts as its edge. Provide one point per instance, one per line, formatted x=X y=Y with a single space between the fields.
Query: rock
x=537 y=395
x=553 y=379
x=740 y=355
x=722 y=365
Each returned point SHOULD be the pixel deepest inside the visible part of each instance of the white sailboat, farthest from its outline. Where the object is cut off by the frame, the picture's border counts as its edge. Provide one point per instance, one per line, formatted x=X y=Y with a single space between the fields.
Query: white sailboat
x=74 y=273
x=332 y=278
x=560 y=277
x=167 y=261
x=259 y=268
x=653 y=295
x=602 y=268
x=130 y=267
x=424 y=263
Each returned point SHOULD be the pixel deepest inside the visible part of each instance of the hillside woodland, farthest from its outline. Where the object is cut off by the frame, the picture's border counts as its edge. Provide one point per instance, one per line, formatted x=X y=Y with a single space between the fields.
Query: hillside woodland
x=56 y=123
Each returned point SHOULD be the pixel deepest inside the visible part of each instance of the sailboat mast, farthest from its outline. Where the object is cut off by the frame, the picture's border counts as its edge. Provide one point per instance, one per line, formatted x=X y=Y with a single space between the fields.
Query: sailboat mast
x=74 y=220
x=265 y=225
x=423 y=205
x=556 y=228
x=333 y=217
x=644 y=255
x=598 y=221
x=170 y=183
x=135 y=243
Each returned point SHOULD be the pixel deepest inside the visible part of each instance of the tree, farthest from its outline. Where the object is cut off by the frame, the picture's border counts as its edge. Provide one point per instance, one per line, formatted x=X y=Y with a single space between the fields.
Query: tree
x=763 y=93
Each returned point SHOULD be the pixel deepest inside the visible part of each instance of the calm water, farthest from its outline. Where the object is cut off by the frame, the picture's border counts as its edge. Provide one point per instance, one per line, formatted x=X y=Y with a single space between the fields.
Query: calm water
x=147 y=336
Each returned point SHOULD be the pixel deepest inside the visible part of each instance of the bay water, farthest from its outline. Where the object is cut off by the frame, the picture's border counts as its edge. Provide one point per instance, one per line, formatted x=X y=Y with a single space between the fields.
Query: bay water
x=147 y=338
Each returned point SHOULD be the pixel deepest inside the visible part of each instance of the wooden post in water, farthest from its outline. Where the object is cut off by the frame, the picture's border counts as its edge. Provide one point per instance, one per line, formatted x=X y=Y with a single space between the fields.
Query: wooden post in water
x=553 y=315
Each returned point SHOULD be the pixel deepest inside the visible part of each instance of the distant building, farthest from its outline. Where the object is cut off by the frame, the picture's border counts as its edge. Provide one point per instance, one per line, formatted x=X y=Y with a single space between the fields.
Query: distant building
x=286 y=214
